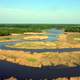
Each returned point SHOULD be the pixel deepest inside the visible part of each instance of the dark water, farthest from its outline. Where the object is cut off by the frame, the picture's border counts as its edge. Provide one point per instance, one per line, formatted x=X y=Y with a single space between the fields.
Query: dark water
x=4 y=47
x=21 y=72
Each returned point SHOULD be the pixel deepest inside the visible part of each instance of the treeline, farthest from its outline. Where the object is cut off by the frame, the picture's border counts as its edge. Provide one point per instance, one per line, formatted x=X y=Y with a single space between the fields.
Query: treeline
x=72 y=28
x=7 y=29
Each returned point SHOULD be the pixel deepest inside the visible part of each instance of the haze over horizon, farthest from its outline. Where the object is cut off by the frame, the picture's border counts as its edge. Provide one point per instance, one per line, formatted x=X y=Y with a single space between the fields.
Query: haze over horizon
x=40 y=11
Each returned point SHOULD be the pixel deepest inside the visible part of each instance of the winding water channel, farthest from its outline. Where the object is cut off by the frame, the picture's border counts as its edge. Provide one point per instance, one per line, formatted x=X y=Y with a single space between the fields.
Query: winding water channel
x=52 y=36
x=4 y=47
x=9 y=69
x=21 y=72
x=49 y=73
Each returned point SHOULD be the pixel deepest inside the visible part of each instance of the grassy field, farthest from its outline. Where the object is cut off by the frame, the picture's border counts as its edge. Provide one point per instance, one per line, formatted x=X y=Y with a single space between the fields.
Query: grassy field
x=70 y=59
x=36 y=45
x=74 y=38
x=45 y=45
x=9 y=38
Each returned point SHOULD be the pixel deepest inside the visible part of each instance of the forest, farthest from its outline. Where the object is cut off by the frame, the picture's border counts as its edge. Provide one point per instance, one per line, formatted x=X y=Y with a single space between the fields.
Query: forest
x=7 y=29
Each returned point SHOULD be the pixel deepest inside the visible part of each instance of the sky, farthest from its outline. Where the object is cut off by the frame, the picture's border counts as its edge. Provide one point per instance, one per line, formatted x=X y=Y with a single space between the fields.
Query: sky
x=40 y=11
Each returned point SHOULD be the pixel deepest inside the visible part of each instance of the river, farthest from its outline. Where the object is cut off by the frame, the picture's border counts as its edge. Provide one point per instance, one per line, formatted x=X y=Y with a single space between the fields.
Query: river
x=4 y=47
x=8 y=69
x=52 y=36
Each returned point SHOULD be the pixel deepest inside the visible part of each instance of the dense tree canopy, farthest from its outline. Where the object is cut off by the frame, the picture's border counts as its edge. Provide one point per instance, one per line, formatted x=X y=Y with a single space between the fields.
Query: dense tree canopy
x=7 y=29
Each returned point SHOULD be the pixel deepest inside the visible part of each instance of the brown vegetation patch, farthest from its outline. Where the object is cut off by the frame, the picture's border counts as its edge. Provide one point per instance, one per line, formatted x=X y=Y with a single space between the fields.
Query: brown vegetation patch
x=41 y=59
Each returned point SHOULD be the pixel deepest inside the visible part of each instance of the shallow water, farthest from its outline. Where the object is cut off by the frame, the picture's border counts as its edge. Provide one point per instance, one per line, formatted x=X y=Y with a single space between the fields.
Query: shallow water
x=53 y=34
x=4 y=47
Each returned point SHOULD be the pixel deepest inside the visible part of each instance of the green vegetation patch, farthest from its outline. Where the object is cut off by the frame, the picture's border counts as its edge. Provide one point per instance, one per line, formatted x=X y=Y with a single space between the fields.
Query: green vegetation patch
x=7 y=38
x=31 y=59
